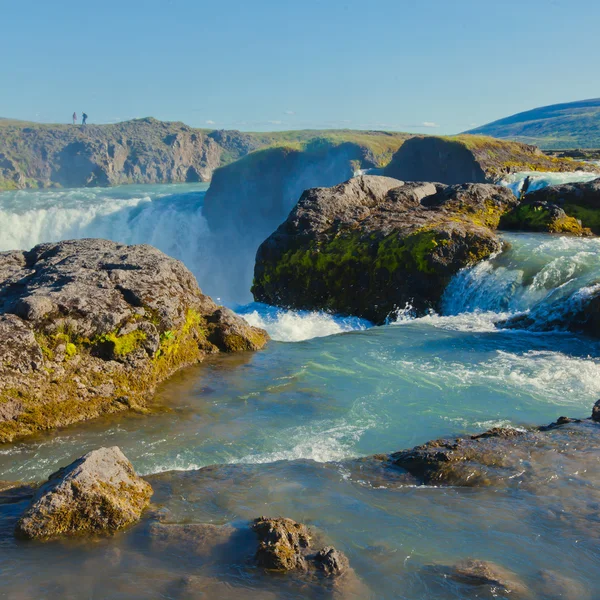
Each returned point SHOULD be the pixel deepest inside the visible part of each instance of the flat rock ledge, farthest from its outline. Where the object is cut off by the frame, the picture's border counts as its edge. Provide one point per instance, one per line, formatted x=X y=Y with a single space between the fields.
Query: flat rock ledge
x=99 y=493
x=501 y=456
x=90 y=327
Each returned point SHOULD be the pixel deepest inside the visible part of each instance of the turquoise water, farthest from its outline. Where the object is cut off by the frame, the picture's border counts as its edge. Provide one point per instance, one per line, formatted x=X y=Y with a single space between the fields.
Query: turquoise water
x=285 y=425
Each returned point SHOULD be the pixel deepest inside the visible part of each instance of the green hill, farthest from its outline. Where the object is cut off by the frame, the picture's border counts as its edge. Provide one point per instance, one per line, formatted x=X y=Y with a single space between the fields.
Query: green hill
x=560 y=126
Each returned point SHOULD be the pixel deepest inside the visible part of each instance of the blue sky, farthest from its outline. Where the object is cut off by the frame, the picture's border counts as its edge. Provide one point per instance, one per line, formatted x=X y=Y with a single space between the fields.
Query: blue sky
x=434 y=66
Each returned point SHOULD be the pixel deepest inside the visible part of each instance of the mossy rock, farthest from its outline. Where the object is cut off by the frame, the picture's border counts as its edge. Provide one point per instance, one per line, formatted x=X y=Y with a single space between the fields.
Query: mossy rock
x=123 y=319
x=373 y=245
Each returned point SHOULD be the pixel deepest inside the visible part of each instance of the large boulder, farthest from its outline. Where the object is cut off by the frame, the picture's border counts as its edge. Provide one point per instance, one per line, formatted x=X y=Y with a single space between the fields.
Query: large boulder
x=374 y=244
x=98 y=493
x=570 y=208
x=90 y=327
x=471 y=159
x=249 y=198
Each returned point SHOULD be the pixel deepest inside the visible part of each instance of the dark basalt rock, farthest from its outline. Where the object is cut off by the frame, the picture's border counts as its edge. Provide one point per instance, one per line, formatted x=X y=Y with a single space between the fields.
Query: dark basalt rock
x=98 y=493
x=372 y=245
x=90 y=327
x=499 y=456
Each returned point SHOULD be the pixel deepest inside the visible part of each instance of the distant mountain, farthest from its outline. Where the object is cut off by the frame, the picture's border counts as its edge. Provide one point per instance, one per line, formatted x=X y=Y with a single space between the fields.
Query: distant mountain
x=560 y=126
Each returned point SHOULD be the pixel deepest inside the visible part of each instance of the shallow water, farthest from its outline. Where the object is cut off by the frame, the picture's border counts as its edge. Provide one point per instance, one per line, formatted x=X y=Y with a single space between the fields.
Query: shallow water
x=284 y=425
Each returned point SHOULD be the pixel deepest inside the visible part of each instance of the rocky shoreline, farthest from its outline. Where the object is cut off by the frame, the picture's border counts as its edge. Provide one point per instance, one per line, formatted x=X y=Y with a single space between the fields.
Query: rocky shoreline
x=90 y=327
x=100 y=494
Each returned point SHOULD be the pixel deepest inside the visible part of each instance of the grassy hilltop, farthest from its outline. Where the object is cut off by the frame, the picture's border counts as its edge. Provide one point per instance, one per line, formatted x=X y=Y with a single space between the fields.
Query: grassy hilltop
x=559 y=126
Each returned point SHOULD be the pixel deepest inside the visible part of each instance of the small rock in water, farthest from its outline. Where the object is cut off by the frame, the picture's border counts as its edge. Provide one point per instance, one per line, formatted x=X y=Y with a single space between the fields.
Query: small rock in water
x=284 y=545
x=330 y=561
x=281 y=542
x=487 y=575
x=596 y=412
x=98 y=493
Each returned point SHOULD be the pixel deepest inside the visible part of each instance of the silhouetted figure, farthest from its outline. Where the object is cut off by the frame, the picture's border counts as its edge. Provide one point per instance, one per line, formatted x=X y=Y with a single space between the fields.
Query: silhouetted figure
x=83 y=119
x=74 y=118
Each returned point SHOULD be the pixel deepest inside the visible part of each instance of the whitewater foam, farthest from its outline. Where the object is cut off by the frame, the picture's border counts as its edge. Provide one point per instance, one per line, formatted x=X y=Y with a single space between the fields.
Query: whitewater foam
x=294 y=325
x=538 y=180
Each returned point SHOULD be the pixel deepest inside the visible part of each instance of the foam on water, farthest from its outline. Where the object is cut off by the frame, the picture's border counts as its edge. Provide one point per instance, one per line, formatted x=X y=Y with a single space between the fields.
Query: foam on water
x=297 y=325
x=538 y=180
x=543 y=277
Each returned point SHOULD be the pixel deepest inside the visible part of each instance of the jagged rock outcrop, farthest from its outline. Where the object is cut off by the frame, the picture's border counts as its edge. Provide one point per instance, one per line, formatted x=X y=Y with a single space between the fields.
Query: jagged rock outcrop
x=284 y=545
x=98 y=493
x=139 y=151
x=471 y=159
x=90 y=327
x=373 y=245
x=481 y=579
x=570 y=208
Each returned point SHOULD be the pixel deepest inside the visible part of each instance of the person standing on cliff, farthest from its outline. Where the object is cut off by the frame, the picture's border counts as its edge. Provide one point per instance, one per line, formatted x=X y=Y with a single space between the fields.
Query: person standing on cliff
x=74 y=118
x=83 y=118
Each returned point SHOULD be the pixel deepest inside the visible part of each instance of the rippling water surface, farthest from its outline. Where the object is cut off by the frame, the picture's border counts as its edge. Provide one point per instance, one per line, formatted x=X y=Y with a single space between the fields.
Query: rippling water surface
x=285 y=425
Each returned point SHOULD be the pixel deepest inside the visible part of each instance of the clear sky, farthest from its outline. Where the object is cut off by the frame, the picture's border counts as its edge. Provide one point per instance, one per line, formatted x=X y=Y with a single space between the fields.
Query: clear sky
x=421 y=65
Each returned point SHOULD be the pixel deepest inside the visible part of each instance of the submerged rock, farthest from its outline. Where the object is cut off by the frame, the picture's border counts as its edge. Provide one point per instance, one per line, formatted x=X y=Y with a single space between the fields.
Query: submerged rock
x=485 y=579
x=91 y=326
x=372 y=245
x=471 y=159
x=98 y=493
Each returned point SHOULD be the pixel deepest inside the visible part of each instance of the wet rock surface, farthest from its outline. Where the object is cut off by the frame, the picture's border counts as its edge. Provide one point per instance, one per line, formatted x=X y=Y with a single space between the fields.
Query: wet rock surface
x=580 y=202
x=482 y=579
x=372 y=245
x=90 y=327
x=98 y=493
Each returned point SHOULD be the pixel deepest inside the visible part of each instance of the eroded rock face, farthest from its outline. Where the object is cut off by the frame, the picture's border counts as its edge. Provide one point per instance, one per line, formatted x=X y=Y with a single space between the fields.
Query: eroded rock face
x=372 y=245
x=471 y=159
x=90 y=326
x=98 y=493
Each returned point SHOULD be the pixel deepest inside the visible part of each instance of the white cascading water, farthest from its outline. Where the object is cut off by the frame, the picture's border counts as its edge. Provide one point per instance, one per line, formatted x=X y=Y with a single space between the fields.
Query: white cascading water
x=551 y=272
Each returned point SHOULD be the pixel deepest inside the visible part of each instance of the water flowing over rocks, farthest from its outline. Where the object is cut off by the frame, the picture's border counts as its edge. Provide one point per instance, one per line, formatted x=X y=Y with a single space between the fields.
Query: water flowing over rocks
x=373 y=245
x=90 y=327
x=569 y=208
x=471 y=159
x=98 y=493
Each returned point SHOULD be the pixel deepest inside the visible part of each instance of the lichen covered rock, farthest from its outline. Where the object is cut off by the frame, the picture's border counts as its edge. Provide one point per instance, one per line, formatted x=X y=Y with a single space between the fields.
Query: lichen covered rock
x=374 y=244
x=284 y=545
x=90 y=327
x=569 y=208
x=98 y=493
